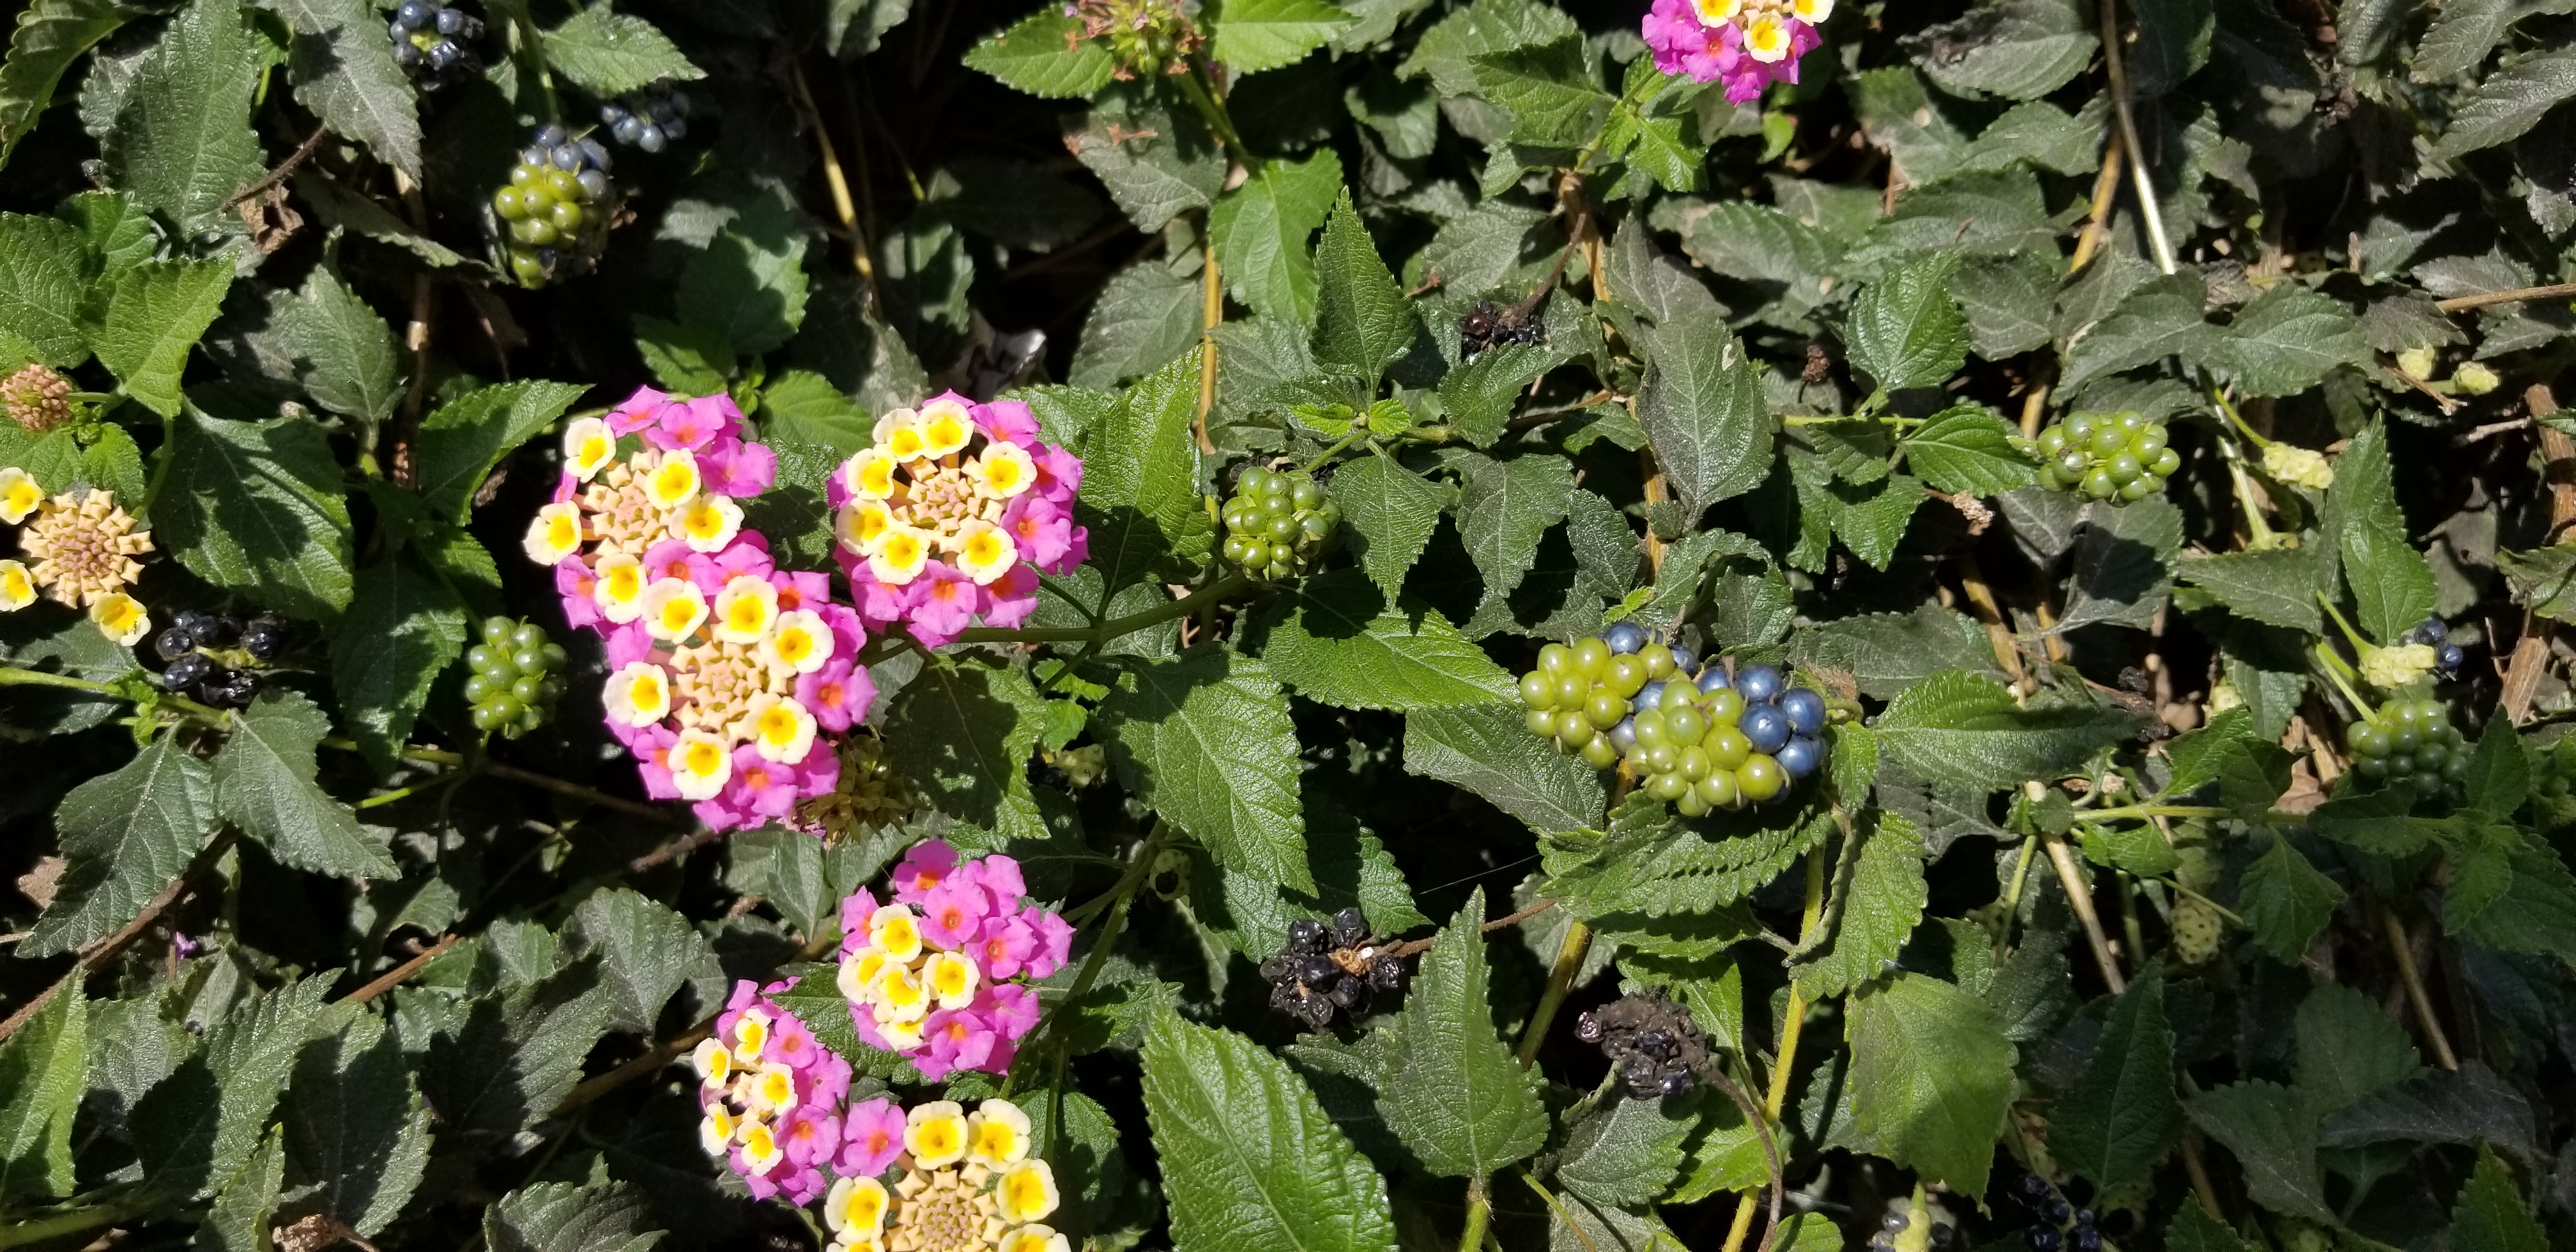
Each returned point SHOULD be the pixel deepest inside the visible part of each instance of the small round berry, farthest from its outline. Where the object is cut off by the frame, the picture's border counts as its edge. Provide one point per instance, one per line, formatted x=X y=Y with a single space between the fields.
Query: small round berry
x=451 y=21
x=187 y=671
x=444 y=55
x=1592 y=656
x=1760 y=778
x=1758 y=683
x=1764 y=727
x=651 y=138
x=174 y=643
x=1727 y=748
x=549 y=135
x=1305 y=936
x=2043 y=1239
x=406 y=53
x=1804 y=709
x=2449 y=658
x=1718 y=790
x=594 y=186
x=2086 y=1239
x=1800 y=756
x=1350 y=927
x=1624 y=637
x=594 y=154
x=264 y=637
x=414 y=14
x=2059 y=1210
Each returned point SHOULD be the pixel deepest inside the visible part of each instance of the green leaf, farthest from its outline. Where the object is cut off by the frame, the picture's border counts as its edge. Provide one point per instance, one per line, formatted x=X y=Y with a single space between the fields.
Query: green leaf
x=1257 y=35
x=2277 y=586
x=1887 y=652
x=245 y=1202
x=264 y=784
x=1551 y=90
x=2543 y=579
x=2286 y=901
x=610 y=54
x=1505 y=508
x=1906 y=329
x=1447 y=51
x=156 y=312
x=690 y=360
x=2193 y=1229
x=357 y=1129
x=748 y=286
x=2374 y=821
x=2347 y=1048
x=2286 y=342
x=1045 y=55
x=1140 y=474
x=1457 y=1098
x=344 y=70
x=1702 y=408
x=2392 y=583
x=801 y=406
x=2274 y=1137
x=1876 y=914
x=1145 y=317
x=1363 y=320
x=1393 y=511
x=2018 y=49
x=345 y=209
x=646 y=953
x=404 y=626
x=1485 y=750
x=2157 y=319
x=41 y=1080
x=1157 y=163
x=2122 y=1116
x=2488 y=1215
x=2470 y=1105
x=49 y=36
x=2511 y=100
x=1750 y=243
x=1931 y=1078
x=2006 y=300
x=1481 y=393
x=2537 y=912
x=41 y=285
x=126 y=834
x=2461 y=35
x=182 y=143
x=2123 y=568
x=2499 y=775
x=1625 y=1153
x=255 y=508
x=1965 y=727
x=1250 y=1161
x=1204 y=740
x=566 y=1217
x=1261 y=229
x=344 y=353
x=963 y=735
x=1968 y=448
x=462 y=440
x=1334 y=640
x=501 y=1062
x=195 y=1127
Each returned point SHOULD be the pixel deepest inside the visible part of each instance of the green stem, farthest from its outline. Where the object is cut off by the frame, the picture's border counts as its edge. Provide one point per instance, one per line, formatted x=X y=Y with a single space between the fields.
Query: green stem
x=1359 y=431
x=1560 y=979
x=1195 y=86
x=72 y=1221
x=2350 y=635
x=2157 y=810
x=1828 y=419
x=1114 y=628
x=1480 y=1209
x=2222 y=910
x=2219 y=398
x=11 y=675
x=164 y=457
x=1098 y=957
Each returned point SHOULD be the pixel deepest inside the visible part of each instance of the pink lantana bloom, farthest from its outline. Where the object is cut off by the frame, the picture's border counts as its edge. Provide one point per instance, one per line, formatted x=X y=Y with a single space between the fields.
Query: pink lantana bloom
x=871 y=1138
x=940 y=973
x=1746 y=45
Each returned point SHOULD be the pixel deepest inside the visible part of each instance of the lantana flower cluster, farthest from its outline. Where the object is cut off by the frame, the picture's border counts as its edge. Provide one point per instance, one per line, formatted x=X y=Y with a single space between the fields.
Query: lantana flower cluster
x=725 y=671
x=968 y=1182
x=771 y=1097
x=952 y=513
x=1745 y=44
x=84 y=548
x=940 y=973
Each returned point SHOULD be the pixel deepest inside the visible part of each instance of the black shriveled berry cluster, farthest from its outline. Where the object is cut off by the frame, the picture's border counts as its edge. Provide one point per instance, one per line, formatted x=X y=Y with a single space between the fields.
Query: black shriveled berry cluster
x=2435 y=634
x=217 y=658
x=1698 y=737
x=1489 y=324
x=556 y=206
x=2059 y=1224
x=651 y=121
x=517 y=677
x=2410 y=741
x=2108 y=456
x=434 y=43
x=1328 y=970
x=1653 y=1045
x=1279 y=523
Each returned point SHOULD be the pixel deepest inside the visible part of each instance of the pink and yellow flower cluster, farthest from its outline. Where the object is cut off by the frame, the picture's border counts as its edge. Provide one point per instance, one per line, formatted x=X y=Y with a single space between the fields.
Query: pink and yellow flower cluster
x=968 y=1182
x=940 y=973
x=771 y=1097
x=1745 y=44
x=951 y=515
x=726 y=672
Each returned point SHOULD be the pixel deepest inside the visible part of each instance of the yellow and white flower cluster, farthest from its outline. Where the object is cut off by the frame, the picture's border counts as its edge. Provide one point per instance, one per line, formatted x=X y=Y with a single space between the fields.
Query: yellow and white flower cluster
x=84 y=548
x=968 y=1185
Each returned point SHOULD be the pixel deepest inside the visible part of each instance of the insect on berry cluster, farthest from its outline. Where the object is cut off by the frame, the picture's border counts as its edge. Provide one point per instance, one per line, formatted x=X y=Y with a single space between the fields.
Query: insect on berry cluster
x=434 y=43
x=518 y=676
x=651 y=121
x=2108 y=456
x=217 y=658
x=556 y=207
x=2411 y=741
x=1697 y=737
x=1330 y=969
x=1653 y=1045
x=1279 y=523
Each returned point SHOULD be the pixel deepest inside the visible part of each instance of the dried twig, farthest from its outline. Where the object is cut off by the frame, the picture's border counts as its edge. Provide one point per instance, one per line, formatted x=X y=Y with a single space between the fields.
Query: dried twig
x=395 y=977
x=2462 y=304
x=99 y=953
x=284 y=169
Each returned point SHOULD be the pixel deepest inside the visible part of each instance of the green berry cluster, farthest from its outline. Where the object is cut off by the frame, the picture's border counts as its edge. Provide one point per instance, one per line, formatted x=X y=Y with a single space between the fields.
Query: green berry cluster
x=1279 y=523
x=2410 y=741
x=517 y=677
x=2108 y=456
x=2196 y=930
x=1696 y=738
x=556 y=207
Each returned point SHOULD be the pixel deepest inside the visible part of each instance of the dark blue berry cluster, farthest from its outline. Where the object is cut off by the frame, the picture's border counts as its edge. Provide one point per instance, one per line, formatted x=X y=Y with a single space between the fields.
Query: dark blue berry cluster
x=1330 y=969
x=2435 y=634
x=1698 y=737
x=1653 y=1045
x=2058 y=1224
x=217 y=659
x=1901 y=1217
x=434 y=43
x=556 y=206
x=650 y=122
